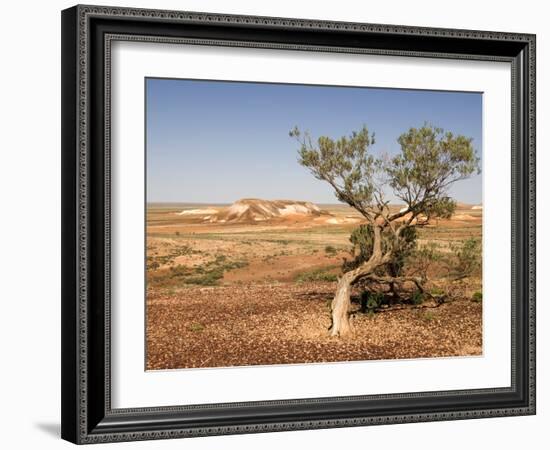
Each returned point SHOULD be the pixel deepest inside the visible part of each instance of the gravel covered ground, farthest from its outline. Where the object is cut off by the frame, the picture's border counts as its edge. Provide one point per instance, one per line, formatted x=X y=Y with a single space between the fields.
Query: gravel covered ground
x=260 y=324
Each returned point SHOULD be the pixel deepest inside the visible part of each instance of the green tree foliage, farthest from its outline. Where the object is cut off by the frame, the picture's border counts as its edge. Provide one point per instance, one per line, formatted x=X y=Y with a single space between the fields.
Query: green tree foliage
x=344 y=163
x=362 y=240
x=429 y=162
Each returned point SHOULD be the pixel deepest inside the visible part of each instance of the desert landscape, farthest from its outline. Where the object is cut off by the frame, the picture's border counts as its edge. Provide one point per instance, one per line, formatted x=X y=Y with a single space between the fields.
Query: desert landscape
x=322 y=224
x=251 y=283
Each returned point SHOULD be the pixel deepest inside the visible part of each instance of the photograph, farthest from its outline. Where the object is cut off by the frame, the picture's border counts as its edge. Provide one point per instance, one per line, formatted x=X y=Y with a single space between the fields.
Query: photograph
x=299 y=224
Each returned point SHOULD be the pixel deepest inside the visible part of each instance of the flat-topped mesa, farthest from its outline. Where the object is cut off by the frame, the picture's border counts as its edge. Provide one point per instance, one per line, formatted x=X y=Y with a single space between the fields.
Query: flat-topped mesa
x=254 y=210
x=257 y=210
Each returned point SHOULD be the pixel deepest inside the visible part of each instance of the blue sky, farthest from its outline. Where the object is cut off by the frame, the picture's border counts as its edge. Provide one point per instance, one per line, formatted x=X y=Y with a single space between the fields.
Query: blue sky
x=216 y=142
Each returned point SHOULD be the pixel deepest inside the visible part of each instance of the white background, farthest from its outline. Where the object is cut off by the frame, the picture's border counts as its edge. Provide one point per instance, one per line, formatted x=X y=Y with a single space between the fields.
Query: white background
x=133 y=387
x=30 y=237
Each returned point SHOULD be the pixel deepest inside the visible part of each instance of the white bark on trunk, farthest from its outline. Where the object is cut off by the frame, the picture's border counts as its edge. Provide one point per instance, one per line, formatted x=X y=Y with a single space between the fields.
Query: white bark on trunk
x=341 y=325
x=341 y=304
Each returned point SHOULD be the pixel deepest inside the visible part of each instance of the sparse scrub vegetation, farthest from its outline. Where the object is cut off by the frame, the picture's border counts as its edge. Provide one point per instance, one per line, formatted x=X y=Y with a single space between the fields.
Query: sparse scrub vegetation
x=466 y=258
x=322 y=274
x=330 y=250
x=156 y=261
x=208 y=274
x=278 y=279
x=206 y=278
x=423 y=259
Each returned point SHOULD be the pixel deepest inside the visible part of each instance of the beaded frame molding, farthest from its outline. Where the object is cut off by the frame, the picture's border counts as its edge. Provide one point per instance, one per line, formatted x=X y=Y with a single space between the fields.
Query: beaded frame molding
x=87 y=34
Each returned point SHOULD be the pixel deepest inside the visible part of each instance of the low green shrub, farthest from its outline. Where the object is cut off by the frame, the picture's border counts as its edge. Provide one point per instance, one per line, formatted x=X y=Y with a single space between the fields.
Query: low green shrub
x=330 y=250
x=210 y=278
x=437 y=292
x=417 y=298
x=195 y=327
x=371 y=300
x=321 y=274
x=477 y=297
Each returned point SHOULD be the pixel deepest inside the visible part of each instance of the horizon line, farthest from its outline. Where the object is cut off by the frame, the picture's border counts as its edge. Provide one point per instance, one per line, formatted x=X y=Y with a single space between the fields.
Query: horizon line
x=274 y=199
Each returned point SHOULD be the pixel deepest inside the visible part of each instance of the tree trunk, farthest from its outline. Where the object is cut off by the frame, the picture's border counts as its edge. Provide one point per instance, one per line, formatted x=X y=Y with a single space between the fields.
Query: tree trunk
x=341 y=325
x=341 y=304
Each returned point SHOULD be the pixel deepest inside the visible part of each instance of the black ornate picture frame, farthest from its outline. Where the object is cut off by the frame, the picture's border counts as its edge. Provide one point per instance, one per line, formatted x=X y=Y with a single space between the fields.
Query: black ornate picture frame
x=87 y=34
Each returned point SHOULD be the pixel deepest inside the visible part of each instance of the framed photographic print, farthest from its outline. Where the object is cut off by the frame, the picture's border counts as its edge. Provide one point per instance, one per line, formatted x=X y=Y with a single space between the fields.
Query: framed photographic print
x=277 y=224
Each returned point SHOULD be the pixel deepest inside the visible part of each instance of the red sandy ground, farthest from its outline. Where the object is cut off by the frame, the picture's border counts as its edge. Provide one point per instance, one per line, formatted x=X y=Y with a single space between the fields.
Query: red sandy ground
x=281 y=323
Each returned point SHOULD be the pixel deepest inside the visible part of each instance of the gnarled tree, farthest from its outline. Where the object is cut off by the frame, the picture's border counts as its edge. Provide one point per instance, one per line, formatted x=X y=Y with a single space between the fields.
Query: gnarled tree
x=429 y=162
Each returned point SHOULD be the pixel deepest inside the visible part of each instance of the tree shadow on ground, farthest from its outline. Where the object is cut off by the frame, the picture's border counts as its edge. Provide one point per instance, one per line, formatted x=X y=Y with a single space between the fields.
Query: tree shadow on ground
x=315 y=295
